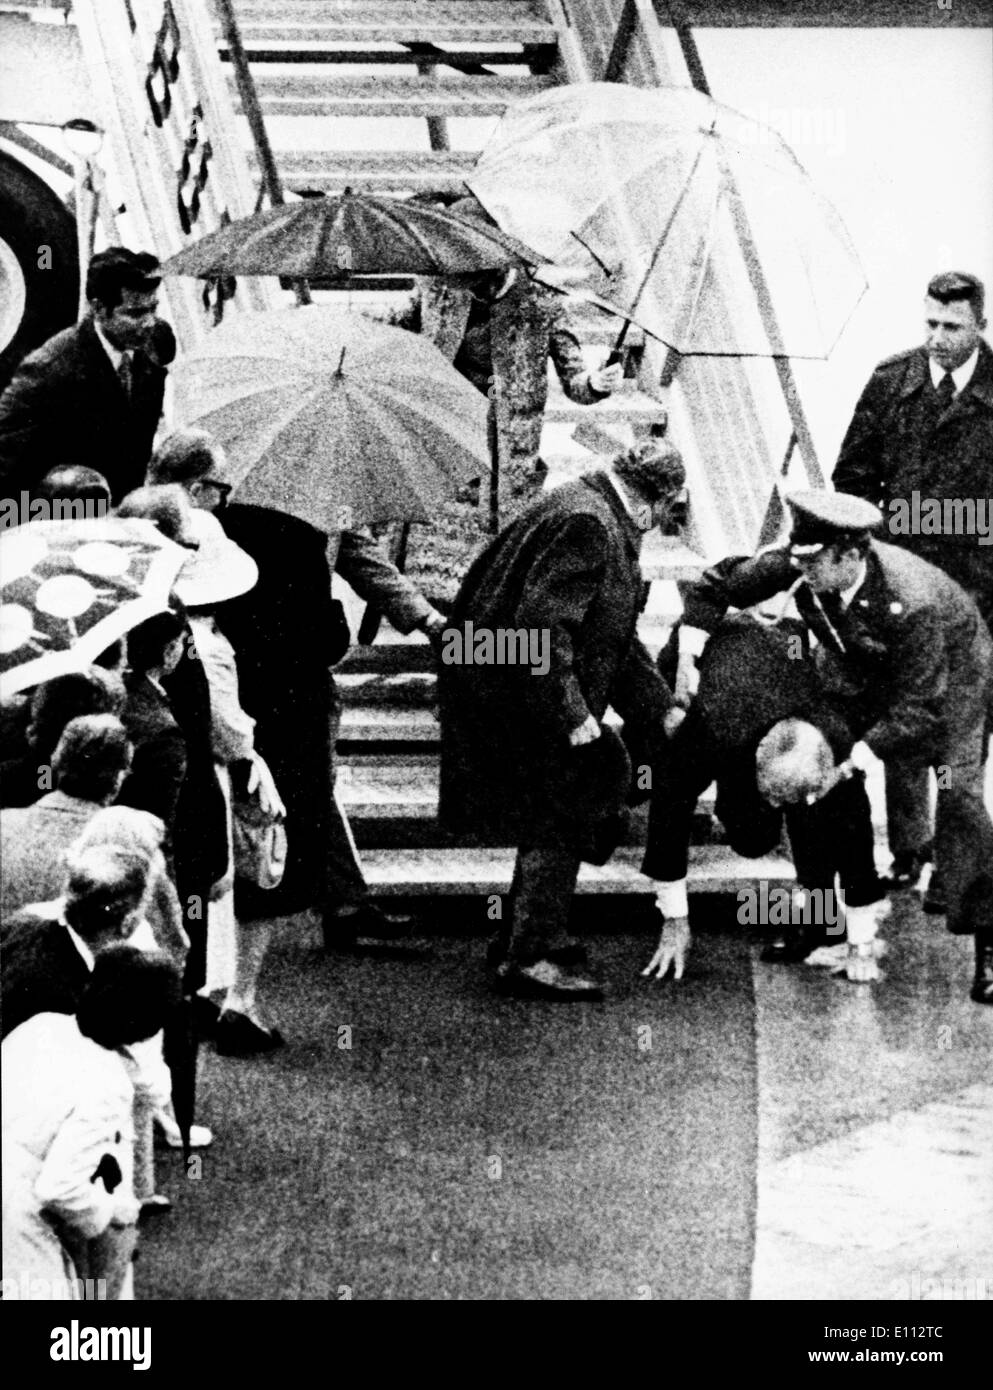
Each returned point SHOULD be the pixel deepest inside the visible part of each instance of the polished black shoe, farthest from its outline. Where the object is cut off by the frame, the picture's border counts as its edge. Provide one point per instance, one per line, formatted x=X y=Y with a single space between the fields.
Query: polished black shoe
x=237 y=1036
x=575 y=954
x=982 y=985
x=935 y=902
x=155 y=1205
x=370 y=930
x=543 y=979
x=906 y=868
x=795 y=944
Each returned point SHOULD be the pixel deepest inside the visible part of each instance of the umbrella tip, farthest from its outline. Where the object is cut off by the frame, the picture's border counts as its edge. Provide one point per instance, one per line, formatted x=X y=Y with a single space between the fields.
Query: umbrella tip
x=341 y=362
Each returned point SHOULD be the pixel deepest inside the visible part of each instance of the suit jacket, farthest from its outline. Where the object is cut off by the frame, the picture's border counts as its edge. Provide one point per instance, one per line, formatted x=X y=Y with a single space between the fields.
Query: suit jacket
x=750 y=679
x=42 y=970
x=568 y=570
x=897 y=444
x=158 y=768
x=908 y=653
x=66 y=405
x=33 y=842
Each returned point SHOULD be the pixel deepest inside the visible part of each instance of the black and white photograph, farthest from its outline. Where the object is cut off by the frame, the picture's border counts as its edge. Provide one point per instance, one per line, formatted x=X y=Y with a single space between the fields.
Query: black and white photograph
x=496 y=666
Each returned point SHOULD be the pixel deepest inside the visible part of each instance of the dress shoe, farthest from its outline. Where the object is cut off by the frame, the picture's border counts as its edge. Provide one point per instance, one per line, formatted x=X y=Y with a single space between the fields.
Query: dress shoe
x=370 y=931
x=935 y=902
x=906 y=868
x=238 y=1036
x=574 y=953
x=155 y=1205
x=543 y=979
x=794 y=944
x=982 y=985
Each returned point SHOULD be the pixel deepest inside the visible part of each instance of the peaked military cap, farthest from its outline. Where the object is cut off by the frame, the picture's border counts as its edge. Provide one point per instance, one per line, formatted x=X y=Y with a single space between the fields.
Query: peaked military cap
x=823 y=518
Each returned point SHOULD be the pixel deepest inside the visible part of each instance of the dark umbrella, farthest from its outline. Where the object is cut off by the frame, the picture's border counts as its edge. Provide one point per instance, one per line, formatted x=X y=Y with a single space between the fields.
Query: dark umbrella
x=353 y=234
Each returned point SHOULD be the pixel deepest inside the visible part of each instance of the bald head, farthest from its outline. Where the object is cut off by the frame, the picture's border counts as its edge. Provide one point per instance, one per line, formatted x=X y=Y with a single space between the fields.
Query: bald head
x=793 y=763
x=193 y=459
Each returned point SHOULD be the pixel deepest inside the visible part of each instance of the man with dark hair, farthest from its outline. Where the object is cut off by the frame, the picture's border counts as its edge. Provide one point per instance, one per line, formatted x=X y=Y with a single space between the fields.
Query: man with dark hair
x=94 y=691
x=47 y=960
x=158 y=769
x=74 y=493
x=903 y=654
x=920 y=446
x=92 y=395
x=525 y=757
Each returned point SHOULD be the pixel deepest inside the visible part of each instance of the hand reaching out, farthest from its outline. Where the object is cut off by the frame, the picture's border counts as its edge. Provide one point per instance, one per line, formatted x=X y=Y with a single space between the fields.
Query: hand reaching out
x=673 y=948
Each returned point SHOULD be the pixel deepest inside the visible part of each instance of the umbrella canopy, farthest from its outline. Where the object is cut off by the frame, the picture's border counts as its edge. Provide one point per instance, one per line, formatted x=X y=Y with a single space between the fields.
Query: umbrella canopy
x=333 y=417
x=354 y=234
x=70 y=589
x=737 y=254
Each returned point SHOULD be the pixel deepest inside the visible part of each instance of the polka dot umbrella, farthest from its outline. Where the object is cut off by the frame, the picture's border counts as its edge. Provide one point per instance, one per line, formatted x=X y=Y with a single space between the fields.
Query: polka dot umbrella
x=70 y=589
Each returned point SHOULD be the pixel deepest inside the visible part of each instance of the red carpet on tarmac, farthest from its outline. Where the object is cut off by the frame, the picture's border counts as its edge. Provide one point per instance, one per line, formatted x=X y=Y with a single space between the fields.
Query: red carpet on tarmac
x=421 y=1138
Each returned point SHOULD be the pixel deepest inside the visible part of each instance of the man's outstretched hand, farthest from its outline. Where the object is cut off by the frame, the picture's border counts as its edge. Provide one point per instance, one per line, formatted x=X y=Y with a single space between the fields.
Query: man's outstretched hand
x=673 y=948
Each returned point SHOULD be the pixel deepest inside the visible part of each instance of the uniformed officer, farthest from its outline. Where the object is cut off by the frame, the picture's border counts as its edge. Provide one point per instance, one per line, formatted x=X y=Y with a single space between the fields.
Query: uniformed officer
x=903 y=654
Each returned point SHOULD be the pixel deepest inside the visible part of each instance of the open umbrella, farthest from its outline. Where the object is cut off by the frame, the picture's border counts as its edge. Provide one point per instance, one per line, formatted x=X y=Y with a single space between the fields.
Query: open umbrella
x=353 y=234
x=736 y=253
x=70 y=589
x=333 y=417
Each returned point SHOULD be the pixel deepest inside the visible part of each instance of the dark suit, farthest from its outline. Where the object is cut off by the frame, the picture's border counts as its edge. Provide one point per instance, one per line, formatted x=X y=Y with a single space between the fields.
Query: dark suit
x=568 y=568
x=909 y=665
x=899 y=443
x=200 y=835
x=750 y=679
x=158 y=767
x=66 y=405
x=42 y=970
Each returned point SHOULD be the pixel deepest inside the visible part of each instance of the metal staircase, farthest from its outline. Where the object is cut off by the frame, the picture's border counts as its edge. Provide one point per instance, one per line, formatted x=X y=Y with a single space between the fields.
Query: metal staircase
x=214 y=108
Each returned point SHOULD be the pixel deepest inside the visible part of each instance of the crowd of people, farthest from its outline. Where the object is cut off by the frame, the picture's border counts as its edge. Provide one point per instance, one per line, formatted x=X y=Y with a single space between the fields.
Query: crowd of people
x=130 y=925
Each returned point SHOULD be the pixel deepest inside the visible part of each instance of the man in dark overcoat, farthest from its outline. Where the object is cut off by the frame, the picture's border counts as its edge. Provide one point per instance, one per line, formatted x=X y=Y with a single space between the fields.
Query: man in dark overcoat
x=525 y=755
x=92 y=395
x=903 y=654
x=920 y=446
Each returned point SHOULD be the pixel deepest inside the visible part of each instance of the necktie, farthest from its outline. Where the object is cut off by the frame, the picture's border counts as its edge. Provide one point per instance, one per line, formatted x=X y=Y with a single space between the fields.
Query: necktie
x=946 y=391
x=124 y=373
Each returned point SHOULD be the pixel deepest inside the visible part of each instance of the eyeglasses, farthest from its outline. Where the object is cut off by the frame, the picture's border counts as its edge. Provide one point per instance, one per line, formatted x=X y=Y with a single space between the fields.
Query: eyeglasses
x=225 y=489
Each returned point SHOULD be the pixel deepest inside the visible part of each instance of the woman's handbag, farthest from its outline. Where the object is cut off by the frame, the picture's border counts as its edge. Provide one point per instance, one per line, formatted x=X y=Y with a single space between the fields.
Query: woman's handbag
x=259 y=841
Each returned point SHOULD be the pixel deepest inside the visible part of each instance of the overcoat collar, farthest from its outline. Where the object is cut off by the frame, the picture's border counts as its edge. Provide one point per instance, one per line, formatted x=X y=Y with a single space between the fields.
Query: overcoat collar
x=980 y=388
x=602 y=485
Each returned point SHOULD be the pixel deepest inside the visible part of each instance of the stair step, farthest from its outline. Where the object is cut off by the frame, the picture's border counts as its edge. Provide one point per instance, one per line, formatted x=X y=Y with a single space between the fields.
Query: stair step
x=292 y=94
x=263 y=22
x=713 y=869
x=392 y=657
x=392 y=172
x=406 y=689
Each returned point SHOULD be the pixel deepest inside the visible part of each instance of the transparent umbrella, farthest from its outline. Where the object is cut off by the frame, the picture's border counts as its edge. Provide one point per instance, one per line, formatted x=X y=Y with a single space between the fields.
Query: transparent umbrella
x=693 y=220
